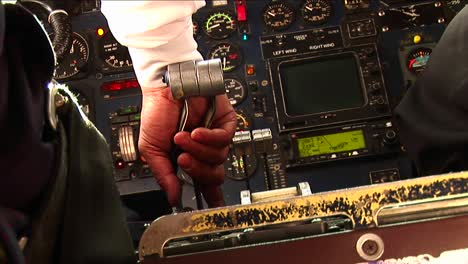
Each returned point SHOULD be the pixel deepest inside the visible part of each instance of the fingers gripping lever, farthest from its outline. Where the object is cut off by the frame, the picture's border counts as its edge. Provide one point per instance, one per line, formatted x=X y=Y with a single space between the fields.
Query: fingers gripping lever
x=195 y=79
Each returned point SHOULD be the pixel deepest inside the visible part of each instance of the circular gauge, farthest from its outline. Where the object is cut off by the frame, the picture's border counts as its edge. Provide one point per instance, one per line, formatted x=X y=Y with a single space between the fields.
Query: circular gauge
x=219 y=25
x=456 y=5
x=82 y=100
x=240 y=168
x=75 y=60
x=243 y=121
x=278 y=16
x=317 y=12
x=235 y=91
x=417 y=60
x=229 y=55
x=112 y=53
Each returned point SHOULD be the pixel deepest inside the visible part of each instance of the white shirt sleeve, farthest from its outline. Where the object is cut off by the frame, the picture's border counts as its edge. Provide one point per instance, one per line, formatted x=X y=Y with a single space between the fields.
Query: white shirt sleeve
x=157 y=33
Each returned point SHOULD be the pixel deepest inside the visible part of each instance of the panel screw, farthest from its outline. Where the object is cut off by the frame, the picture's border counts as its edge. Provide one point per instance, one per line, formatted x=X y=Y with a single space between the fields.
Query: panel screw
x=370 y=247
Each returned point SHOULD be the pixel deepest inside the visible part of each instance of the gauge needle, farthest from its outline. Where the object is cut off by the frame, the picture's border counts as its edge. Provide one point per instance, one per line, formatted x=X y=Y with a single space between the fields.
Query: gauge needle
x=214 y=26
x=72 y=49
x=309 y=8
x=271 y=14
x=224 y=62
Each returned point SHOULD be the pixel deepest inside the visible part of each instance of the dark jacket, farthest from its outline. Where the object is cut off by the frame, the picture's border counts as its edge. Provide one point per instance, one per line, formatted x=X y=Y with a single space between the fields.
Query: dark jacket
x=433 y=115
x=56 y=186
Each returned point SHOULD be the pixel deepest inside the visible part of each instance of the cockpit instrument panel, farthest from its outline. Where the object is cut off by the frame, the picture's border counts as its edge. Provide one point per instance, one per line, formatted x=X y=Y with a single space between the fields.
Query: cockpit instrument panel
x=322 y=77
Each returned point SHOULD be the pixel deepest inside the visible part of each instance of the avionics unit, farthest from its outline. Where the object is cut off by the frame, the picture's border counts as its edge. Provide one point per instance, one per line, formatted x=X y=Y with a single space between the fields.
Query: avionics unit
x=338 y=143
x=334 y=85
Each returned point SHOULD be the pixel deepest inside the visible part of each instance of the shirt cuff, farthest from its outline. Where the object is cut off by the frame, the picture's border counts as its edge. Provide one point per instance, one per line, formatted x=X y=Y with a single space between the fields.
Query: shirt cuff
x=157 y=33
x=150 y=63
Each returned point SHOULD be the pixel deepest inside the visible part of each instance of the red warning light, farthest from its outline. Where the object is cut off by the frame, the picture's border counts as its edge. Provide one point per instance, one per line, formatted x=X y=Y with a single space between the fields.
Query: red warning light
x=121 y=85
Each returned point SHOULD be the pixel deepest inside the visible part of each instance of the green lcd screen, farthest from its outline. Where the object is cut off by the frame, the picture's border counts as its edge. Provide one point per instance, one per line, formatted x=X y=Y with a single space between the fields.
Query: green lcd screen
x=332 y=143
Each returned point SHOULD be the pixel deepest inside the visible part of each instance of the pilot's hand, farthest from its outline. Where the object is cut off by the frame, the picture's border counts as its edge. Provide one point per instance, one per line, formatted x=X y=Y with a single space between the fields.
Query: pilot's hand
x=205 y=150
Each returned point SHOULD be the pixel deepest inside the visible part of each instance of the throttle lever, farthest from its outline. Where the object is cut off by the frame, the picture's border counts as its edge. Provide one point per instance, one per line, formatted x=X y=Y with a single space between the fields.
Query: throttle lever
x=194 y=79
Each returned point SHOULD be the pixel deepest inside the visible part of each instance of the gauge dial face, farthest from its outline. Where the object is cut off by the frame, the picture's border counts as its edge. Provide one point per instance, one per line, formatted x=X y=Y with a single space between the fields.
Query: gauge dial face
x=112 y=53
x=219 y=25
x=235 y=91
x=417 y=60
x=229 y=55
x=82 y=100
x=278 y=16
x=240 y=168
x=75 y=60
x=243 y=121
x=317 y=12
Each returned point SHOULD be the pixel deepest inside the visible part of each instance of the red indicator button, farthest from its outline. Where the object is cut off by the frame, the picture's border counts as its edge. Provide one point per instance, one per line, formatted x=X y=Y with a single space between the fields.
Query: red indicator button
x=241 y=11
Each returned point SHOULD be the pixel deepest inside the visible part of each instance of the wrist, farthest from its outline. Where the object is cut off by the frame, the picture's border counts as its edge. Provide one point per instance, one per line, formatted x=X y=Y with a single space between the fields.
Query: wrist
x=153 y=90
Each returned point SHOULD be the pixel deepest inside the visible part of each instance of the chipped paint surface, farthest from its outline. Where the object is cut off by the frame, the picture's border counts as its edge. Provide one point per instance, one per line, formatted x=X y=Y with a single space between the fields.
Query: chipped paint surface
x=360 y=203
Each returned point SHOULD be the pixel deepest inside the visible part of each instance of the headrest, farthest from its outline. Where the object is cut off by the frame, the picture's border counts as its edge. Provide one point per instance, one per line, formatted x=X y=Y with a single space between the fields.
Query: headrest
x=35 y=45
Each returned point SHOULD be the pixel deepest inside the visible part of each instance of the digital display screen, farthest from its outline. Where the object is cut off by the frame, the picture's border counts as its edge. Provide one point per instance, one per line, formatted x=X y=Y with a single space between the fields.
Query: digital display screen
x=321 y=85
x=332 y=143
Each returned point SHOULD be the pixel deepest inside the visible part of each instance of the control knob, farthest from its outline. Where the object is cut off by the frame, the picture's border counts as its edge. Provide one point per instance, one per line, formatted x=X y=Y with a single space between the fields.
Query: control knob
x=375 y=89
x=280 y=40
x=379 y=104
x=390 y=137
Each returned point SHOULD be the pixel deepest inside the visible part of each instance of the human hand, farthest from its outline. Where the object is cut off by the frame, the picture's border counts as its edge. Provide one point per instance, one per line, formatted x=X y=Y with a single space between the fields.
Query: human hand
x=205 y=149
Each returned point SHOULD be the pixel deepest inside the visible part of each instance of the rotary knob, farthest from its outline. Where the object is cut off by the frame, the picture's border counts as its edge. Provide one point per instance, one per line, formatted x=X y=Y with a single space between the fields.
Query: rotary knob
x=127 y=144
x=390 y=137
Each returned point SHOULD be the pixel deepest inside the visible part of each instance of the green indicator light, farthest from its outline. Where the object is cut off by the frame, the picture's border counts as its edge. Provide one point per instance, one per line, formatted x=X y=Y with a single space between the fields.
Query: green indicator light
x=245 y=37
x=127 y=110
x=136 y=117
